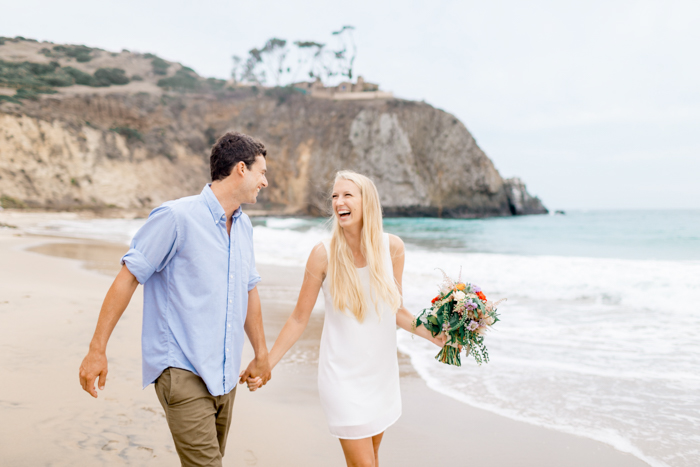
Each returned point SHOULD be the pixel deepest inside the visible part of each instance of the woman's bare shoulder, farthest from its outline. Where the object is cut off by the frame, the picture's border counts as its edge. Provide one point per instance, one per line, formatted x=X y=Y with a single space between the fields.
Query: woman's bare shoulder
x=395 y=244
x=318 y=258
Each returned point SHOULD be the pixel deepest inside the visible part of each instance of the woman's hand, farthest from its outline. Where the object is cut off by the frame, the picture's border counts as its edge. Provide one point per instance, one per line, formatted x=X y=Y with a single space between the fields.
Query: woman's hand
x=440 y=340
x=254 y=383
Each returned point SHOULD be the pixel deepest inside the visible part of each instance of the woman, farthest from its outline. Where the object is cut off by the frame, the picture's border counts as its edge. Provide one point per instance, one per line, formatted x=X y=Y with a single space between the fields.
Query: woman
x=359 y=270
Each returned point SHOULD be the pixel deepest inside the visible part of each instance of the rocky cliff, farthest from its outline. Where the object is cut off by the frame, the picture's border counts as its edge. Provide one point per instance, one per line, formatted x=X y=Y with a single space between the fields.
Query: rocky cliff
x=115 y=147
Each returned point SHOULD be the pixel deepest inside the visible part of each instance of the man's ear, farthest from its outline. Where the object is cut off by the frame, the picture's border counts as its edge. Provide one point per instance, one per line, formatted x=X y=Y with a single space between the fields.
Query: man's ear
x=240 y=167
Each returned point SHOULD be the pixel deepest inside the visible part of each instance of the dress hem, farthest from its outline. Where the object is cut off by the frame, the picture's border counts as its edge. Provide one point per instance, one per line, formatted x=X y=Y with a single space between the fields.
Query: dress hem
x=370 y=435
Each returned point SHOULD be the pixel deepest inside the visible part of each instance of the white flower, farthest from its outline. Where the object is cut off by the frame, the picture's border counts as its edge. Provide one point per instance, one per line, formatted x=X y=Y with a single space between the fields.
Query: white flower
x=472 y=295
x=459 y=296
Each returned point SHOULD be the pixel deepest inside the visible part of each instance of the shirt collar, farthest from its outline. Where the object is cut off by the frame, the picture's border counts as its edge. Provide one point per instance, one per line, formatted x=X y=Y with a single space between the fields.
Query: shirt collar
x=217 y=211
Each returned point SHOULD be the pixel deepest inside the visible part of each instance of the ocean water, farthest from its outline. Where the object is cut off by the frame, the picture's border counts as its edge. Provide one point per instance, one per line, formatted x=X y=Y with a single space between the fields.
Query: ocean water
x=600 y=335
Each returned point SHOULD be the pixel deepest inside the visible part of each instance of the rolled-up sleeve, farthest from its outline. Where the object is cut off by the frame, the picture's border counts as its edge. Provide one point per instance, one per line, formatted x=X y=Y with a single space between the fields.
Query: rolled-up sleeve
x=154 y=244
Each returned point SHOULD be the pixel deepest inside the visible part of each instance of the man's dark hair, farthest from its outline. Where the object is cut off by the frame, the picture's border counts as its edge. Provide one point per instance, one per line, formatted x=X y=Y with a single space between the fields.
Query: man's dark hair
x=231 y=149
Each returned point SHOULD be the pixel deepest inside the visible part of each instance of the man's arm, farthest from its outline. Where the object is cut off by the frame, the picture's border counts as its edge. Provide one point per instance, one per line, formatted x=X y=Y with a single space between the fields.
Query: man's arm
x=253 y=326
x=115 y=302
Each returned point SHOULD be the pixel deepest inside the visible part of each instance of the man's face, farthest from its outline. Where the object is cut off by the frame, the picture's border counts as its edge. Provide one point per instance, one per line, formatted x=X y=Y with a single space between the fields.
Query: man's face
x=255 y=180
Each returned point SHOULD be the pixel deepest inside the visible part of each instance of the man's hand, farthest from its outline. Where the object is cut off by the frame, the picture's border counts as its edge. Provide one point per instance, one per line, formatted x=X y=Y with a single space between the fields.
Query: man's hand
x=94 y=365
x=95 y=362
x=257 y=374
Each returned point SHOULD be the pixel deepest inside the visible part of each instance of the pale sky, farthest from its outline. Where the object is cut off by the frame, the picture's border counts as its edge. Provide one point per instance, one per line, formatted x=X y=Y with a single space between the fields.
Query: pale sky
x=594 y=104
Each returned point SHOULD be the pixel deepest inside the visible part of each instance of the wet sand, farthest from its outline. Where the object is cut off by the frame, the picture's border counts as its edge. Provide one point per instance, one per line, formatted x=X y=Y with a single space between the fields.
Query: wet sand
x=50 y=294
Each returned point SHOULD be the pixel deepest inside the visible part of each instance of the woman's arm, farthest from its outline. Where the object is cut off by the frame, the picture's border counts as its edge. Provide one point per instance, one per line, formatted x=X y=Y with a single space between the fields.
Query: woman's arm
x=404 y=318
x=316 y=267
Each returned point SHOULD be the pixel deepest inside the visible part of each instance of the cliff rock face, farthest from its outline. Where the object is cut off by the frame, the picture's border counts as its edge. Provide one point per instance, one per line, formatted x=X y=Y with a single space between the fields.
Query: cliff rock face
x=138 y=150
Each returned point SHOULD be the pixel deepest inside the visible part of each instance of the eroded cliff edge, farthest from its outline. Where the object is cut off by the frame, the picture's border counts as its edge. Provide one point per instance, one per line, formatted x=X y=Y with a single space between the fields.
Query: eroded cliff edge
x=138 y=150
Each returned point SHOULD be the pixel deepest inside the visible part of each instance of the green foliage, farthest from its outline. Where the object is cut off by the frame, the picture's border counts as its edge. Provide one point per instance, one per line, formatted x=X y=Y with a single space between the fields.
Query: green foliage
x=35 y=77
x=80 y=77
x=10 y=202
x=181 y=81
x=2 y=41
x=31 y=78
x=4 y=98
x=81 y=53
x=23 y=93
x=109 y=76
x=137 y=78
x=160 y=66
x=131 y=134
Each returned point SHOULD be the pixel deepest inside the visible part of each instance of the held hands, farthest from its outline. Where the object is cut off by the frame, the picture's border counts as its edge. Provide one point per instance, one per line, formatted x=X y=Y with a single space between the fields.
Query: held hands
x=257 y=374
x=94 y=364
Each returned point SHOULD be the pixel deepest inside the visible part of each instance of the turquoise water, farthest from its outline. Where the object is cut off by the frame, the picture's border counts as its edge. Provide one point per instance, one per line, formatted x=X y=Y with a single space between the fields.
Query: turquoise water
x=659 y=235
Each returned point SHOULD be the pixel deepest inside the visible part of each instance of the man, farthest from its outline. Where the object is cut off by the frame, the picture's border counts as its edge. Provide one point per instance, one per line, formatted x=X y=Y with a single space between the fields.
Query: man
x=195 y=258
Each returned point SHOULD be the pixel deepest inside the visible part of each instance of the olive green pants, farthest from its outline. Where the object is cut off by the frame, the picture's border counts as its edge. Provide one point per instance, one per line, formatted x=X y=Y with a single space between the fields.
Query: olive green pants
x=198 y=421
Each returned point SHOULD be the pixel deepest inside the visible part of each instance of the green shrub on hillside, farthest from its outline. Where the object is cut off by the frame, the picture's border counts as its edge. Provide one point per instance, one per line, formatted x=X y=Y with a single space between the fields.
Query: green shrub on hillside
x=35 y=76
x=10 y=202
x=137 y=78
x=108 y=76
x=80 y=77
x=4 y=98
x=2 y=41
x=182 y=81
x=160 y=66
x=80 y=52
x=30 y=79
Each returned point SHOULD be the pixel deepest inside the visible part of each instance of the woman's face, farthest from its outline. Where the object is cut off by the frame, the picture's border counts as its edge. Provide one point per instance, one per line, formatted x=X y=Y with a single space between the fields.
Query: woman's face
x=347 y=203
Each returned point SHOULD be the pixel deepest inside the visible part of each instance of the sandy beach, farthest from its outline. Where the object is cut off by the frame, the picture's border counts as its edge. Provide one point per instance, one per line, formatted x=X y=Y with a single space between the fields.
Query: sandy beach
x=51 y=290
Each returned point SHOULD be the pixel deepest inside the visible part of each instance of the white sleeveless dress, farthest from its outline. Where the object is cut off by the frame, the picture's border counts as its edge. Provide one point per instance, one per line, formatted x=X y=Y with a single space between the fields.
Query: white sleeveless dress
x=358 y=369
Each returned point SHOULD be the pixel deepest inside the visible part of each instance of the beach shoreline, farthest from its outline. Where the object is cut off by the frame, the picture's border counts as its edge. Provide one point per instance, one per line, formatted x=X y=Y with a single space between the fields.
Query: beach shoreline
x=50 y=297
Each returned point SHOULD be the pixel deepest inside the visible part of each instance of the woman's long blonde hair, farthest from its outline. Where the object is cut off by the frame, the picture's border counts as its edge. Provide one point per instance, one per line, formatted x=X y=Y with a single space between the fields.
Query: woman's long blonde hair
x=345 y=286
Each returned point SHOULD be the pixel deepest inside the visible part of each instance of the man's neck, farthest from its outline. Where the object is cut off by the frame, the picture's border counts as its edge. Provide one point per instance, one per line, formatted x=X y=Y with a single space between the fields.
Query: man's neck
x=226 y=198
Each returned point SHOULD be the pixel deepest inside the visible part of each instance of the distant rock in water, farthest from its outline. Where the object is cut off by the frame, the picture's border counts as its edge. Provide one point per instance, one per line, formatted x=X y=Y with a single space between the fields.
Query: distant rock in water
x=520 y=201
x=136 y=148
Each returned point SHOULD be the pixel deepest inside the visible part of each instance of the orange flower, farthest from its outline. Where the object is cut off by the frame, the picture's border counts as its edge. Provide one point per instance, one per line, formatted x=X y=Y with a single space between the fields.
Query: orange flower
x=435 y=299
x=481 y=295
x=460 y=286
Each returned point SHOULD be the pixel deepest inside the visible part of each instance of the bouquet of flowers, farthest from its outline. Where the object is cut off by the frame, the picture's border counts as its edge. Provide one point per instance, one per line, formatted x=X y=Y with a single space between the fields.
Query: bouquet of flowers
x=463 y=312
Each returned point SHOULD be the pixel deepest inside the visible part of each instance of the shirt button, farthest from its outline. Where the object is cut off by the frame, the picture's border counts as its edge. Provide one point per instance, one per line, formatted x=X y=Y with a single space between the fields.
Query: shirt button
x=231 y=276
x=230 y=301
x=226 y=350
x=229 y=325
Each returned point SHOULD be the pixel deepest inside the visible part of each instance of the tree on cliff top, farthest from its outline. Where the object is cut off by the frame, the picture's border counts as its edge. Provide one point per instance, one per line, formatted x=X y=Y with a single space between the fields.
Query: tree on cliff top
x=281 y=63
x=347 y=50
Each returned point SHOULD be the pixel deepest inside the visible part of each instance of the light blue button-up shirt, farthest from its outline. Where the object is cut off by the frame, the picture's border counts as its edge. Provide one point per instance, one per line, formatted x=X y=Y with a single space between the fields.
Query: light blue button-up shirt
x=196 y=282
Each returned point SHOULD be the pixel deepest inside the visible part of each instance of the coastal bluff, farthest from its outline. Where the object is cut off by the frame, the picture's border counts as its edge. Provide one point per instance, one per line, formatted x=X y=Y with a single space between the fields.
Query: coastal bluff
x=140 y=144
